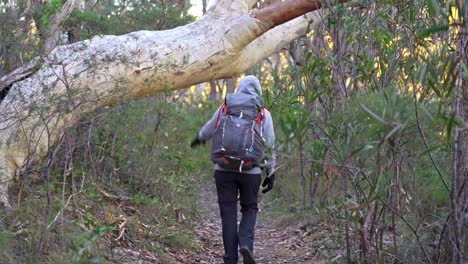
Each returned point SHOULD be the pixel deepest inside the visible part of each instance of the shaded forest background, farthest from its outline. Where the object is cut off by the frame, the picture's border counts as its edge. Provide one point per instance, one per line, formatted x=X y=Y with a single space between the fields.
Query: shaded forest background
x=364 y=110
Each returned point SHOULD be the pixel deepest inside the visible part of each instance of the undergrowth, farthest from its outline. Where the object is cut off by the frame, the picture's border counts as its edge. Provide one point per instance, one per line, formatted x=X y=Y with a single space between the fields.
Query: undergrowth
x=125 y=181
x=125 y=178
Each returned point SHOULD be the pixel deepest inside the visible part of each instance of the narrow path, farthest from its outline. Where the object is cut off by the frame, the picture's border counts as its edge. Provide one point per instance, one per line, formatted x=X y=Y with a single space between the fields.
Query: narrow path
x=274 y=243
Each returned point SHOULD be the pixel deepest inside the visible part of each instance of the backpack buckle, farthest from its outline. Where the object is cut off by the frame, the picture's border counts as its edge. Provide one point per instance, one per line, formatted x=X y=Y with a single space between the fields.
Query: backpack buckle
x=240 y=167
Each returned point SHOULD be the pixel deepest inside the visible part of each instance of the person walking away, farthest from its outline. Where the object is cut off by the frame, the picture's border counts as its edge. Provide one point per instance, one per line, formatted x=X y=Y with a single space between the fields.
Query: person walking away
x=242 y=136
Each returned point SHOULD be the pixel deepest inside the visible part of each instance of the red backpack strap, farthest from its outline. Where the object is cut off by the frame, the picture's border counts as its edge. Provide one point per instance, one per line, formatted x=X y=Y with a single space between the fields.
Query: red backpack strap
x=225 y=106
x=260 y=117
x=222 y=108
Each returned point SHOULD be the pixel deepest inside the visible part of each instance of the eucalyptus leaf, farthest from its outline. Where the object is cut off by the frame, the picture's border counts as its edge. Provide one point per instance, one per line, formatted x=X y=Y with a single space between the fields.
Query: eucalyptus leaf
x=435 y=29
x=374 y=115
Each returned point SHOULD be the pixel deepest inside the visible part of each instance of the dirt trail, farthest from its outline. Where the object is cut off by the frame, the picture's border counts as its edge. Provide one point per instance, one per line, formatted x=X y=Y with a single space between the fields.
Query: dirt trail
x=274 y=243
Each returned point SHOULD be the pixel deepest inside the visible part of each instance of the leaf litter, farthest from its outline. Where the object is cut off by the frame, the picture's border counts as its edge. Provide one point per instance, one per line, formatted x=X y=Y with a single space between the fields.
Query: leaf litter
x=275 y=242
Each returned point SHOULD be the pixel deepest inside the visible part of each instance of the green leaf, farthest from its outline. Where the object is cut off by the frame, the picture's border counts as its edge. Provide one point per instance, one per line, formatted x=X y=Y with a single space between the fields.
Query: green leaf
x=429 y=150
x=393 y=131
x=374 y=115
x=426 y=112
x=429 y=31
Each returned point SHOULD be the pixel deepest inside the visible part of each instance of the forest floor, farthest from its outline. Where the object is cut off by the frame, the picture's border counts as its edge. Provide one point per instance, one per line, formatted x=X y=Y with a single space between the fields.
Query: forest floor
x=276 y=241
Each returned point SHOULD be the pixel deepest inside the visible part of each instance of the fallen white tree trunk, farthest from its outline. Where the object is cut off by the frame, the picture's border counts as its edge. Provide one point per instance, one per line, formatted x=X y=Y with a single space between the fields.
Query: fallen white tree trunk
x=43 y=100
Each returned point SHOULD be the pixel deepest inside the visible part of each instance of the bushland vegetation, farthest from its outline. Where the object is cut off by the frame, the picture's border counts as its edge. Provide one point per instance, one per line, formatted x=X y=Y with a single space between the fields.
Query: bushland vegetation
x=367 y=121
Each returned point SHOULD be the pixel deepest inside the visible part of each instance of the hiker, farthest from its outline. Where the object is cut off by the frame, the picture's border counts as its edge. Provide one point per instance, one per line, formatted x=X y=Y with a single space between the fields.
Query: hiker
x=240 y=176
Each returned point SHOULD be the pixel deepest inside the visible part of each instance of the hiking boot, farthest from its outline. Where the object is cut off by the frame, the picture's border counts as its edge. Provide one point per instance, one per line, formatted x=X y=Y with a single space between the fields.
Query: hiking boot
x=247 y=255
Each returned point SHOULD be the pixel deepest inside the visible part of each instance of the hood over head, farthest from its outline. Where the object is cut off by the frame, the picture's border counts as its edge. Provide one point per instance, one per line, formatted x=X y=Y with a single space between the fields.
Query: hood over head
x=250 y=85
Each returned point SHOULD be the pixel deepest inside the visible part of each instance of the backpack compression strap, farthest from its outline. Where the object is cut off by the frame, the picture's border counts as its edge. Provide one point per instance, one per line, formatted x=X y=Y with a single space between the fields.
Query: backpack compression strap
x=260 y=117
x=222 y=108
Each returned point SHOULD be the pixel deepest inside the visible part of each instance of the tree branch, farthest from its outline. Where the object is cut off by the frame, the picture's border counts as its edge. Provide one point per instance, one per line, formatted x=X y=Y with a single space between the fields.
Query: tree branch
x=55 y=25
x=110 y=69
x=282 y=12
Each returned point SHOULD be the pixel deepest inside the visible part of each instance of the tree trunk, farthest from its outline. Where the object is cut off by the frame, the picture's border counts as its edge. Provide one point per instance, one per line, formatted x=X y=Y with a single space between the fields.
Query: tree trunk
x=231 y=85
x=204 y=5
x=41 y=101
x=51 y=31
x=459 y=203
x=54 y=30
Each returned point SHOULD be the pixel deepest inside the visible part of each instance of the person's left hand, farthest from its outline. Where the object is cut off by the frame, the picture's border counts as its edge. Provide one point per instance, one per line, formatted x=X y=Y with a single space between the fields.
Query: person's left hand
x=268 y=182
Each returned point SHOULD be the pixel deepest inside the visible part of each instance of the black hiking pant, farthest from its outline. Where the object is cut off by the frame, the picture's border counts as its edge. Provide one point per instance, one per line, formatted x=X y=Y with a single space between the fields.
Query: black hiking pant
x=230 y=186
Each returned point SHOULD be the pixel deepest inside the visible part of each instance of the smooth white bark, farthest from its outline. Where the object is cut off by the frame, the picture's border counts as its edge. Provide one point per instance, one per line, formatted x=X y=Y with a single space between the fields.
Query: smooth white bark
x=90 y=74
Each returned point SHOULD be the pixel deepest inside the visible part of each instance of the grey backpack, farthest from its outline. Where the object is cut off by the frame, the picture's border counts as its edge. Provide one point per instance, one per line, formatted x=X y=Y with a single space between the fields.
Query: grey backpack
x=237 y=143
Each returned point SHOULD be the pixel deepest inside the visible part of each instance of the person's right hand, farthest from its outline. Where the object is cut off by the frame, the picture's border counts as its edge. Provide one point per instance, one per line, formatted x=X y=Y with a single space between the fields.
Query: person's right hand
x=196 y=142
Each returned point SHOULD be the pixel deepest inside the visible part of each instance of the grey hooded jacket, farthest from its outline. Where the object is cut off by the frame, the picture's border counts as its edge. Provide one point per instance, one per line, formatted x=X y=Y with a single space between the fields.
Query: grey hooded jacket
x=249 y=85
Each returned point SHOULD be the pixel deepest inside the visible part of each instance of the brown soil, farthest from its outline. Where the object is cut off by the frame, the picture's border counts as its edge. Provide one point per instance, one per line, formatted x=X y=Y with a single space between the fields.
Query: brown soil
x=275 y=242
